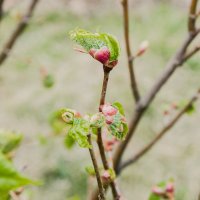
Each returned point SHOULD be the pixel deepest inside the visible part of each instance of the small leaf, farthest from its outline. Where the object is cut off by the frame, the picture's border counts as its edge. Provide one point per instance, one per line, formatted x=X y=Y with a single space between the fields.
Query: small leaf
x=69 y=142
x=10 y=179
x=118 y=128
x=90 y=170
x=101 y=46
x=79 y=131
x=56 y=122
x=48 y=81
x=154 y=197
x=191 y=109
x=9 y=141
x=119 y=107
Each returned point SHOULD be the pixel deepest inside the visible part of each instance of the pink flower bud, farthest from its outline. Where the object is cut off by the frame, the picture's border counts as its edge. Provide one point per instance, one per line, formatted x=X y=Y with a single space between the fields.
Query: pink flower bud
x=108 y=110
x=102 y=54
x=109 y=119
x=106 y=176
x=170 y=188
x=142 y=48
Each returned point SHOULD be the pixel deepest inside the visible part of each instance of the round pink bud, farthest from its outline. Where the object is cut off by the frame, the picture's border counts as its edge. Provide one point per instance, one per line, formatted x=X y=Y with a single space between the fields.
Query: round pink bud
x=170 y=188
x=142 y=48
x=102 y=55
x=108 y=110
x=106 y=176
x=109 y=119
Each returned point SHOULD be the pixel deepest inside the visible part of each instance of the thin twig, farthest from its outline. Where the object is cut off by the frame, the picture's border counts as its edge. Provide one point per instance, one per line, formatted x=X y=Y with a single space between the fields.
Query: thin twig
x=1 y=9
x=144 y=102
x=192 y=16
x=115 y=191
x=128 y=51
x=17 y=32
x=191 y=53
x=160 y=134
x=101 y=195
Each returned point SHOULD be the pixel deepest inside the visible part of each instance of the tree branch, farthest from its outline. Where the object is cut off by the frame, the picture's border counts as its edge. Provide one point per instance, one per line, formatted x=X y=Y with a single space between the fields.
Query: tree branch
x=164 y=130
x=144 y=103
x=115 y=191
x=1 y=9
x=101 y=194
x=192 y=16
x=128 y=51
x=17 y=32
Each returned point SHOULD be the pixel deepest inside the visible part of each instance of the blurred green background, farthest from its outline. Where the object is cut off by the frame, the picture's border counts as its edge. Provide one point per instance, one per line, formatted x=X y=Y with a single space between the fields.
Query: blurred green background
x=26 y=104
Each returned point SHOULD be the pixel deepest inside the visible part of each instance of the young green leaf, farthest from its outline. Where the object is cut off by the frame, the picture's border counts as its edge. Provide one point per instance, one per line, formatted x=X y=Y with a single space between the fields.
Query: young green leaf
x=9 y=141
x=101 y=46
x=118 y=128
x=69 y=141
x=154 y=197
x=10 y=178
x=90 y=170
x=79 y=132
x=119 y=107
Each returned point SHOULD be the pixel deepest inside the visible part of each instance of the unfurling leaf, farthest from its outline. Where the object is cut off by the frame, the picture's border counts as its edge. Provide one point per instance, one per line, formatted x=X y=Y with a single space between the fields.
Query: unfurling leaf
x=101 y=46
x=90 y=170
x=119 y=107
x=115 y=119
x=69 y=142
x=79 y=132
x=10 y=178
x=9 y=141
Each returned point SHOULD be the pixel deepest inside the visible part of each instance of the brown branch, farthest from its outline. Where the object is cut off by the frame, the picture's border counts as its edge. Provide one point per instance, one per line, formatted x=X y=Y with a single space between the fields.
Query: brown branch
x=17 y=32
x=191 y=53
x=144 y=103
x=160 y=134
x=192 y=16
x=101 y=194
x=1 y=9
x=113 y=185
x=128 y=51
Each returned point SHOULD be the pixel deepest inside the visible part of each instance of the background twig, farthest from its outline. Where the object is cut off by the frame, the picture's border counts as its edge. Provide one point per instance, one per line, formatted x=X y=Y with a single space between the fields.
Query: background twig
x=144 y=102
x=160 y=134
x=17 y=32
x=128 y=51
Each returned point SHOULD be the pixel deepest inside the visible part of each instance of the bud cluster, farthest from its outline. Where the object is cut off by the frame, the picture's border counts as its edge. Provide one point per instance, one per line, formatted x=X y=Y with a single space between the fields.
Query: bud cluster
x=166 y=192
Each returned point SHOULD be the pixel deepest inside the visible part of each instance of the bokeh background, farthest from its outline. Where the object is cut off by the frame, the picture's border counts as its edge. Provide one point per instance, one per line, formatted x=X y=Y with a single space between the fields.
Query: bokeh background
x=26 y=105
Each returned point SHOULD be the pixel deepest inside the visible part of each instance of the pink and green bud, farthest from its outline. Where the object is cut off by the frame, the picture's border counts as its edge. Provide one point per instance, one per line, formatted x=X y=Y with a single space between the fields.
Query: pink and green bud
x=97 y=120
x=108 y=110
x=170 y=188
x=142 y=48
